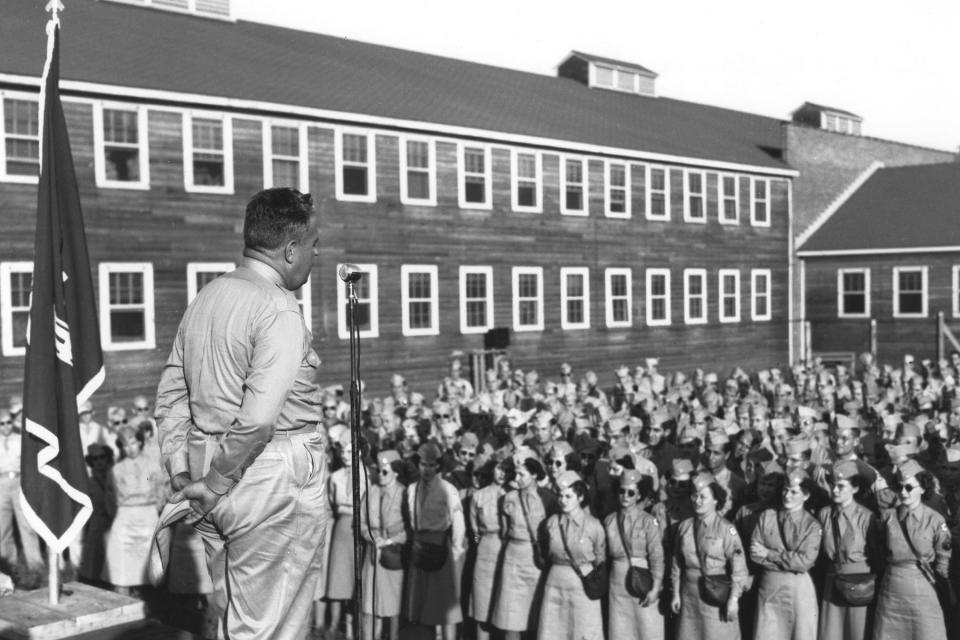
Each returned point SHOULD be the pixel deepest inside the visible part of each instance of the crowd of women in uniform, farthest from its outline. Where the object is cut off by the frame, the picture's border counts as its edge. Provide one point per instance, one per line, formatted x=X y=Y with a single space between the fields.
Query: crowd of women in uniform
x=816 y=502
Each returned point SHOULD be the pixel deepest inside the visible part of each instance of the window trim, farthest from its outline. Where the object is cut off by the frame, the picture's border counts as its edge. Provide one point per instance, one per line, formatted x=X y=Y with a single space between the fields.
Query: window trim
x=431 y=170
x=841 y=291
x=956 y=291
x=925 y=291
x=687 y=194
x=755 y=276
x=515 y=180
x=565 y=322
x=722 y=293
x=188 y=177
x=650 y=168
x=149 y=309
x=303 y=174
x=667 y=320
x=15 y=177
x=486 y=271
x=753 y=201
x=405 y=271
x=584 y=185
x=627 y=208
x=516 y=272
x=609 y=299
x=688 y=296
x=7 y=269
x=343 y=331
x=195 y=268
x=722 y=195
x=99 y=146
x=487 y=176
x=371 y=165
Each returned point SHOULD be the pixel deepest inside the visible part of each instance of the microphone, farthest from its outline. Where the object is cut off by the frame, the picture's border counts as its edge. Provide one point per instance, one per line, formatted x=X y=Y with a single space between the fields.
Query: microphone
x=349 y=272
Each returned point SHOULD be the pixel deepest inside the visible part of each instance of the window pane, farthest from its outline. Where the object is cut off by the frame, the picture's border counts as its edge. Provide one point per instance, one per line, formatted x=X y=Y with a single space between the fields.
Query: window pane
x=474 y=189
x=126 y=288
x=605 y=76
x=526 y=195
x=658 y=285
x=208 y=170
x=618 y=285
x=574 y=197
x=355 y=180
x=127 y=325
x=122 y=164
x=354 y=148
x=574 y=311
x=418 y=156
x=526 y=166
x=418 y=185
x=618 y=175
x=625 y=80
x=528 y=285
x=286 y=172
x=473 y=160
x=574 y=171
x=476 y=313
x=120 y=126
x=285 y=141
x=419 y=315
x=620 y=310
x=207 y=134
x=528 y=312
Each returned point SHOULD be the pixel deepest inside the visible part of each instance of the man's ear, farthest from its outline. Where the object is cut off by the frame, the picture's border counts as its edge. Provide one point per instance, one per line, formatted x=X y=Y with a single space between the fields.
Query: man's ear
x=289 y=251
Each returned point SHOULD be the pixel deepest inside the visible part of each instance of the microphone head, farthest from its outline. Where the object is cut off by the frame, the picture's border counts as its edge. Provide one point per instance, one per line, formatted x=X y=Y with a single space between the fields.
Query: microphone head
x=349 y=272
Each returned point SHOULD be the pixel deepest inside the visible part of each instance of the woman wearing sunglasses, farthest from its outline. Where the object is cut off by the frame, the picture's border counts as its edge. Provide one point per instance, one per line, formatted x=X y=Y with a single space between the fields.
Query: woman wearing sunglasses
x=635 y=546
x=917 y=555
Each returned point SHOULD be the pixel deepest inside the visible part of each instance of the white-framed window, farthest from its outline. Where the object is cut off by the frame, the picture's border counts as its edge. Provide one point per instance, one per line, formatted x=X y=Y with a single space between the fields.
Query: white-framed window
x=728 y=294
x=956 y=291
x=16 y=284
x=475 y=176
x=616 y=181
x=760 y=202
x=528 y=298
x=200 y=274
x=574 y=298
x=658 y=297
x=618 y=295
x=694 y=201
x=853 y=293
x=695 y=296
x=207 y=153
x=285 y=161
x=910 y=292
x=19 y=138
x=658 y=193
x=418 y=171
x=615 y=78
x=476 y=299
x=760 y=294
x=126 y=306
x=368 y=303
x=729 y=198
x=574 y=191
x=120 y=138
x=419 y=300
x=356 y=166
x=526 y=173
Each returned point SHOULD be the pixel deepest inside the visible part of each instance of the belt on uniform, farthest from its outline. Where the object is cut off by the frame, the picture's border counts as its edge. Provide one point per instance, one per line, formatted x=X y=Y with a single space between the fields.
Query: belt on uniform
x=309 y=428
x=852 y=567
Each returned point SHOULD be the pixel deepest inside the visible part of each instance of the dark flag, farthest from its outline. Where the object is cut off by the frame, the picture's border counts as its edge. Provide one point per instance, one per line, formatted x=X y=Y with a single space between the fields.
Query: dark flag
x=64 y=363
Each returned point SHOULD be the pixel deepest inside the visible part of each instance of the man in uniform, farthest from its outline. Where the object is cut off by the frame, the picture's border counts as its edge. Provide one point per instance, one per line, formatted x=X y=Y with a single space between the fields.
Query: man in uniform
x=237 y=411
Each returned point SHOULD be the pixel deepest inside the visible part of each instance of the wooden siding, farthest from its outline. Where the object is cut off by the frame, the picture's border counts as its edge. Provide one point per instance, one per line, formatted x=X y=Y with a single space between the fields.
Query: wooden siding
x=895 y=336
x=169 y=228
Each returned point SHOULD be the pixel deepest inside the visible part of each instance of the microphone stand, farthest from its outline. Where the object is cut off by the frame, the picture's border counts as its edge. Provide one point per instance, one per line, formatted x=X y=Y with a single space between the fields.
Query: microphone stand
x=355 y=456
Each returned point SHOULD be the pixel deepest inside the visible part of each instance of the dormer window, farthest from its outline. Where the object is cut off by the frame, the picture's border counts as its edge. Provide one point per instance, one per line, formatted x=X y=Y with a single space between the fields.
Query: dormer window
x=828 y=118
x=206 y=8
x=605 y=73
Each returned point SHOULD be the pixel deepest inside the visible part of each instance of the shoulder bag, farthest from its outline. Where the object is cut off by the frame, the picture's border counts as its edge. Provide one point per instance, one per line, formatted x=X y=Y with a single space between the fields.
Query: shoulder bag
x=714 y=589
x=391 y=555
x=943 y=588
x=850 y=589
x=639 y=579
x=595 y=583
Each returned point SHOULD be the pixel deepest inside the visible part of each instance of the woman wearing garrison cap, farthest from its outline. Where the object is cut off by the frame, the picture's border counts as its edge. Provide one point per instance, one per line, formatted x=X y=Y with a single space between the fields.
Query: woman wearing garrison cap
x=634 y=540
x=577 y=545
x=917 y=554
x=851 y=544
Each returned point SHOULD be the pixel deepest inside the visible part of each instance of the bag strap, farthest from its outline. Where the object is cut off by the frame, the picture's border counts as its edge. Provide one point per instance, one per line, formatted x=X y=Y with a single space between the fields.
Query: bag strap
x=696 y=549
x=526 y=518
x=836 y=537
x=924 y=567
x=563 y=536
x=623 y=539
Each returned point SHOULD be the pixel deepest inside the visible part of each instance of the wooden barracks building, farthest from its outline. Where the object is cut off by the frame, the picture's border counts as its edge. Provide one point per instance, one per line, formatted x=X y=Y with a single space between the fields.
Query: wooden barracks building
x=594 y=220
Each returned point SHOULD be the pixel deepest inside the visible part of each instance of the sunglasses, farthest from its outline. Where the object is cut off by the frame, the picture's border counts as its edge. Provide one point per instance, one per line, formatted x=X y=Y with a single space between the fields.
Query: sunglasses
x=468 y=454
x=444 y=416
x=908 y=487
x=329 y=408
x=627 y=492
x=142 y=408
x=557 y=463
x=5 y=422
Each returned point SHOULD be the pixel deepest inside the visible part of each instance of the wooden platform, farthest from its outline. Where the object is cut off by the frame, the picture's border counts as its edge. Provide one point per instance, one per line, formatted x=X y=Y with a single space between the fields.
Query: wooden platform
x=26 y=615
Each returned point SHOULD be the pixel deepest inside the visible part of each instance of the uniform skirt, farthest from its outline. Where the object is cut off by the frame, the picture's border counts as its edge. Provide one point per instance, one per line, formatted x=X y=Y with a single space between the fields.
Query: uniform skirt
x=340 y=565
x=907 y=607
x=484 y=572
x=566 y=611
x=628 y=620
x=516 y=596
x=128 y=545
x=786 y=606
x=382 y=587
x=433 y=597
x=839 y=622
x=699 y=620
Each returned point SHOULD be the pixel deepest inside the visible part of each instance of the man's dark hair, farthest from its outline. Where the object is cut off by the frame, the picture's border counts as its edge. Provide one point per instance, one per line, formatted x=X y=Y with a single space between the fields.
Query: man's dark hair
x=275 y=216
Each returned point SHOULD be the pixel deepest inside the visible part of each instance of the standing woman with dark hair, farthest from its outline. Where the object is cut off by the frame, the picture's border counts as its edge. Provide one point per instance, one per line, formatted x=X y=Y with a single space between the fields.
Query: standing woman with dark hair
x=577 y=545
x=851 y=544
x=708 y=568
x=917 y=554
x=484 y=517
x=785 y=544
x=635 y=545
x=517 y=593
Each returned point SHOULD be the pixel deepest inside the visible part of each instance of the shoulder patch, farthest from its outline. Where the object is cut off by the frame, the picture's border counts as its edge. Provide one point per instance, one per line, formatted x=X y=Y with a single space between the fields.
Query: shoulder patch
x=943 y=527
x=733 y=531
x=656 y=522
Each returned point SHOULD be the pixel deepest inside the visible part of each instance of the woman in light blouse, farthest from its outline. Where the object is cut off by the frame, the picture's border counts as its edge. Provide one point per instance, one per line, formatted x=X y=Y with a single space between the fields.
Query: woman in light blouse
x=706 y=545
x=485 y=525
x=634 y=539
x=573 y=536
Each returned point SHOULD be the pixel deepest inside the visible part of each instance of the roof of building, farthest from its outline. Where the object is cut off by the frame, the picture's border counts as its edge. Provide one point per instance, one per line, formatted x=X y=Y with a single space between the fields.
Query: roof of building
x=116 y=45
x=589 y=57
x=820 y=107
x=896 y=208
